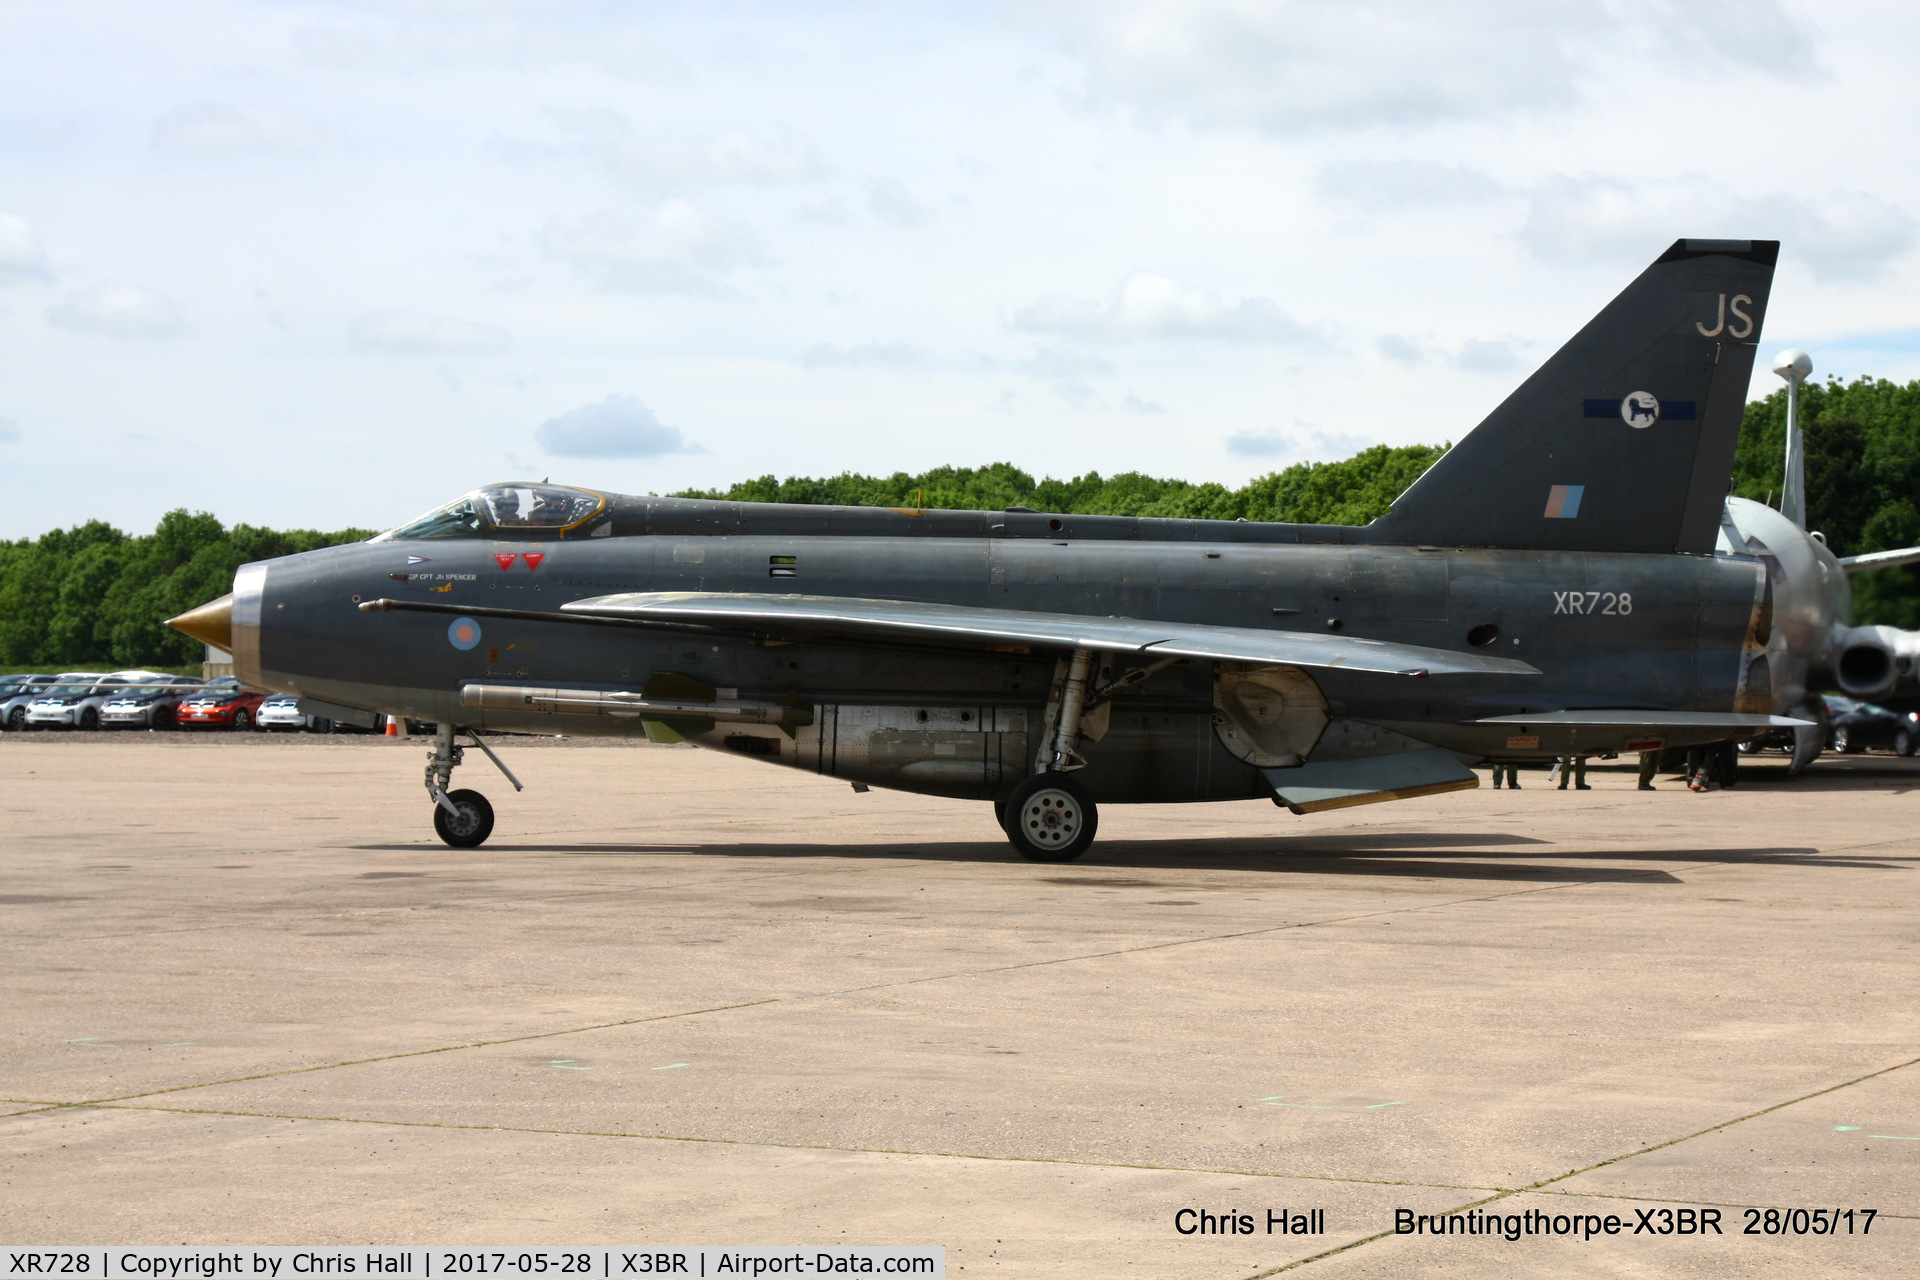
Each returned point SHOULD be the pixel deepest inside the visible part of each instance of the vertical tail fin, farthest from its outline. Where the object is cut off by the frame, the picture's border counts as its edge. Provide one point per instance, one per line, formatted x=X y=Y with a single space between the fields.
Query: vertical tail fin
x=1623 y=441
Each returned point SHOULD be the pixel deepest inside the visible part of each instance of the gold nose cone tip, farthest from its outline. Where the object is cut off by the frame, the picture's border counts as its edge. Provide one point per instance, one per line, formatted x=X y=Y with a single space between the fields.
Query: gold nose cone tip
x=211 y=623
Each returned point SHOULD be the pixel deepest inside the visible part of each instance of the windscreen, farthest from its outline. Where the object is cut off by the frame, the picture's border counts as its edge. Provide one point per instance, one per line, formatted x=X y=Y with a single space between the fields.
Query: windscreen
x=455 y=520
x=537 y=506
x=513 y=509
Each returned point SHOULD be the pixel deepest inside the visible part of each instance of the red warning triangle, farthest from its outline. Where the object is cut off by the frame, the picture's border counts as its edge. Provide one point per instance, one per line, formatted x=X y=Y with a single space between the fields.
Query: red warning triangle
x=533 y=558
x=504 y=558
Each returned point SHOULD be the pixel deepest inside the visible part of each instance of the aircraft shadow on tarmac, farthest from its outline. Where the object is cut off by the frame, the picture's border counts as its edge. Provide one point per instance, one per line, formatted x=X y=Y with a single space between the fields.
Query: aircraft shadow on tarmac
x=1475 y=856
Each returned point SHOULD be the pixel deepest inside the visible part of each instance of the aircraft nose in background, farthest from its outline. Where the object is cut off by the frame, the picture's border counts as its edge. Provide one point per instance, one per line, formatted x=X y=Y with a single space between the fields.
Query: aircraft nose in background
x=211 y=623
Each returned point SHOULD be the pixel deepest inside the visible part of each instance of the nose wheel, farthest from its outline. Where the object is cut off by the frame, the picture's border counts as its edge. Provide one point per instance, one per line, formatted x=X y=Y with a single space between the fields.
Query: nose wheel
x=465 y=820
x=1050 y=818
x=462 y=818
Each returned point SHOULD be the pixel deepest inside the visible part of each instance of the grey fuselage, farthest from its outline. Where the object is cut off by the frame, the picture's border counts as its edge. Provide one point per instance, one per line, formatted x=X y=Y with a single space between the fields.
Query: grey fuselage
x=1626 y=630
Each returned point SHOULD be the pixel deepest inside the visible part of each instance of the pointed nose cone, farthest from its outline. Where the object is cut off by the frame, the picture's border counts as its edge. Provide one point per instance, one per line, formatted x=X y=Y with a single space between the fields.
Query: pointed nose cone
x=211 y=623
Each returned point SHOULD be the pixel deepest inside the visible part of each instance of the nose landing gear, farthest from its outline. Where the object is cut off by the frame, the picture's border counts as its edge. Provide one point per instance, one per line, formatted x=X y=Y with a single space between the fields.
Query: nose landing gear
x=462 y=818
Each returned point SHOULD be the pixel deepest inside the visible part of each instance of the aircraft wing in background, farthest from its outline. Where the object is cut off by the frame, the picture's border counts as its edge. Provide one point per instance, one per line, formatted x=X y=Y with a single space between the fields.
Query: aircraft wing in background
x=1880 y=560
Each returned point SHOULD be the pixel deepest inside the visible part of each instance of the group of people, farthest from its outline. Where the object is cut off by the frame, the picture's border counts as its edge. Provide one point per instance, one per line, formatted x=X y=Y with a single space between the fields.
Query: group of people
x=1707 y=769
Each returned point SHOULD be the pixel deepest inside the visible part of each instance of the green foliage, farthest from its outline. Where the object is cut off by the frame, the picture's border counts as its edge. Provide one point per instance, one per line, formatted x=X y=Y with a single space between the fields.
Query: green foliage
x=1863 y=478
x=1352 y=491
x=91 y=597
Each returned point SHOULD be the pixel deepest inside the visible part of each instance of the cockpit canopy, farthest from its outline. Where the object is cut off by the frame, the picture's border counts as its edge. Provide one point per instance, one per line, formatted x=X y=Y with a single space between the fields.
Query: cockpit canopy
x=518 y=510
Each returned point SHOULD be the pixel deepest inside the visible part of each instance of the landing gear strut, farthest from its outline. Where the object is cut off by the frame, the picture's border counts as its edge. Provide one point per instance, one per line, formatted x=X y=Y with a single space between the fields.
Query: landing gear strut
x=463 y=818
x=1050 y=817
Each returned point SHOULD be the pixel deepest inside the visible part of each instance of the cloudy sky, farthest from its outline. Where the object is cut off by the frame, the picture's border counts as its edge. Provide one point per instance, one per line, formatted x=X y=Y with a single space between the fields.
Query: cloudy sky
x=325 y=264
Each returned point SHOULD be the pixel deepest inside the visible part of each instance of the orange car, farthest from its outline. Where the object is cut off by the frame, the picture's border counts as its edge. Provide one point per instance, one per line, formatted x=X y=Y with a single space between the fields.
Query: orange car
x=222 y=704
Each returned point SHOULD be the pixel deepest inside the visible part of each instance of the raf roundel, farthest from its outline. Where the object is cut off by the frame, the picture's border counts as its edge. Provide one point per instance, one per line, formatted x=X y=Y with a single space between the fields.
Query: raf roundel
x=463 y=633
x=1641 y=409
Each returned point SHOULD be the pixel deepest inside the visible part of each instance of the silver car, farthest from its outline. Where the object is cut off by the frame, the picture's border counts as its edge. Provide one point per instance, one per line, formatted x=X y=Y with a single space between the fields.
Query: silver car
x=147 y=704
x=59 y=702
x=15 y=693
x=75 y=699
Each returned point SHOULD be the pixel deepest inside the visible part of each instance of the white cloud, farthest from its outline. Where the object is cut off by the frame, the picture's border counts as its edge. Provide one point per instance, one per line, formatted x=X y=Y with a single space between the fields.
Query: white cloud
x=1400 y=348
x=1134 y=404
x=117 y=311
x=21 y=254
x=1259 y=444
x=482 y=36
x=659 y=161
x=831 y=212
x=1842 y=235
x=618 y=427
x=214 y=129
x=1051 y=362
x=1483 y=355
x=891 y=355
x=1287 y=67
x=9 y=431
x=411 y=333
x=1475 y=355
x=1154 y=306
x=1389 y=186
x=889 y=200
x=673 y=249
x=1318 y=445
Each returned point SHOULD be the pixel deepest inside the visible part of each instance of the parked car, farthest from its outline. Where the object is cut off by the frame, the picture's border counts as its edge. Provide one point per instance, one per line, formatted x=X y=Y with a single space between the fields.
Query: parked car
x=148 y=704
x=72 y=701
x=1854 y=726
x=15 y=693
x=221 y=704
x=282 y=711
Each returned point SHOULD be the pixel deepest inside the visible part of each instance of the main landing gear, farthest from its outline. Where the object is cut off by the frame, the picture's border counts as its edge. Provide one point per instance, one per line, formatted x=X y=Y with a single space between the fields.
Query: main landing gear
x=1050 y=817
x=462 y=818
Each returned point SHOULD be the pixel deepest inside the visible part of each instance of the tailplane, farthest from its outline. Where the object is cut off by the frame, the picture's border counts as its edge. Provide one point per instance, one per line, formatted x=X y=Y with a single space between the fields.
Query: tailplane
x=1624 y=440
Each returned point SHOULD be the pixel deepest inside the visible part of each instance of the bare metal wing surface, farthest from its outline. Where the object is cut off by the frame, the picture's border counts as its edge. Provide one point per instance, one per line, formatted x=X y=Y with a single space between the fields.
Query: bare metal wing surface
x=1631 y=718
x=1880 y=560
x=854 y=616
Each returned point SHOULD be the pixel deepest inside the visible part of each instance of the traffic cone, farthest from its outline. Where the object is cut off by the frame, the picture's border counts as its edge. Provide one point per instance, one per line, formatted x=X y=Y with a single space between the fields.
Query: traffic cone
x=393 y=727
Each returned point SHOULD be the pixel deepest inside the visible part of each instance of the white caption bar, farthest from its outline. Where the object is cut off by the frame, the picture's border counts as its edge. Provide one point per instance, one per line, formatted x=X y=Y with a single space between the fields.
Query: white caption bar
x=420 y=1262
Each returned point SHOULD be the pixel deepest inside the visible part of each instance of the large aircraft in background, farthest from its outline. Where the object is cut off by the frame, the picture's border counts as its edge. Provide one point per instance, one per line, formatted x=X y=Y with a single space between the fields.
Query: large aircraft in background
x=1568 y=579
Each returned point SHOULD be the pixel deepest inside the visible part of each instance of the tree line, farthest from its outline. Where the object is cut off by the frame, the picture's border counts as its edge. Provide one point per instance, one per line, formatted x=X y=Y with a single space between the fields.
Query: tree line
x=94 y=596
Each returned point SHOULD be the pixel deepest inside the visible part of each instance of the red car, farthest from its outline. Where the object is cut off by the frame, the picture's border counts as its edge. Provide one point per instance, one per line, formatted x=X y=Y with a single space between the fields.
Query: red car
x=222 y=704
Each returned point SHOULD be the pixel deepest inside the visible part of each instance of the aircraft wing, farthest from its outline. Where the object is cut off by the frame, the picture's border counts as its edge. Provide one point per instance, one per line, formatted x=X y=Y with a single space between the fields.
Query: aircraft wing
x=1880 y=560
x=1631 y=718
x=983 y=625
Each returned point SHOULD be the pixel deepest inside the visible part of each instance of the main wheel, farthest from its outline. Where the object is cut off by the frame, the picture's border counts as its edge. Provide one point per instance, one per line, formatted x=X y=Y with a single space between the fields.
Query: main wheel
x=1903 y=742
x=472 y=827
x=1050 y=818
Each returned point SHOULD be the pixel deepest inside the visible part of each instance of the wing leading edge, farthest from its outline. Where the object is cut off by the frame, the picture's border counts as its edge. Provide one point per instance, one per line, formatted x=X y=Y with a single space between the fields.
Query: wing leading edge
x=913 y=620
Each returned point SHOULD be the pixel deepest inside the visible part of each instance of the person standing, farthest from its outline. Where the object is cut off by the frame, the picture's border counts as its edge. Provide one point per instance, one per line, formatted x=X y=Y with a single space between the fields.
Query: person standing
x=1512 y=771
x=1577 y=767
x=1649 y=765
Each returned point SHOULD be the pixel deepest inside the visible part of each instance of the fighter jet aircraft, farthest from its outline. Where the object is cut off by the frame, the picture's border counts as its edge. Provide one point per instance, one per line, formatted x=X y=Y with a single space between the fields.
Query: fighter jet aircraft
x=1569 y=578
